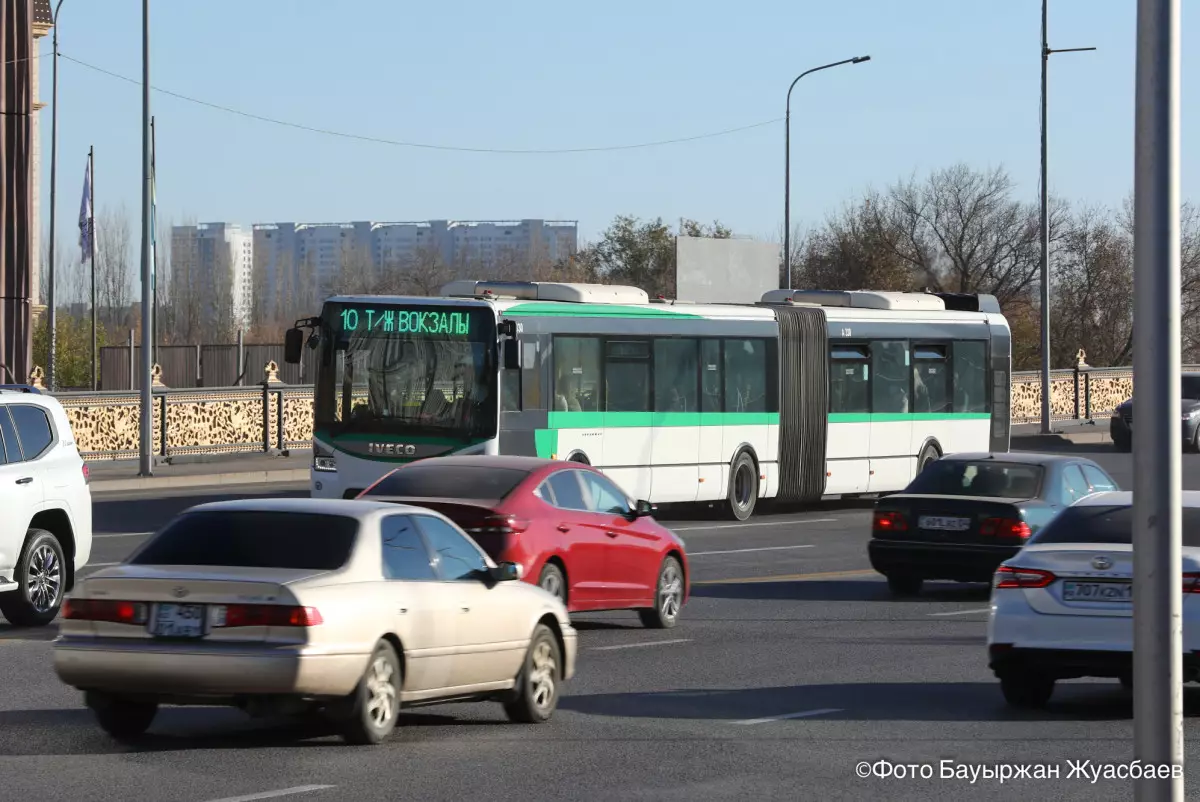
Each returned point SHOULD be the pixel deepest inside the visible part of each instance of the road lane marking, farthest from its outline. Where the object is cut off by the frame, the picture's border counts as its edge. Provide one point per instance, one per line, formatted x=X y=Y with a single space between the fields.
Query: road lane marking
x=787 y=577
x=639 y=645
x=741 y=551
x=783 y=717
x=755 y=523
x=299 y=789
x=965 y=612
x=122 y=534
x=97 y=565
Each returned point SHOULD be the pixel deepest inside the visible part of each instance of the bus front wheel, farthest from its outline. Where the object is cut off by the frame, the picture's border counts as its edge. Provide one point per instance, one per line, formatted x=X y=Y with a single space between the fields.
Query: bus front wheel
x=743 y=486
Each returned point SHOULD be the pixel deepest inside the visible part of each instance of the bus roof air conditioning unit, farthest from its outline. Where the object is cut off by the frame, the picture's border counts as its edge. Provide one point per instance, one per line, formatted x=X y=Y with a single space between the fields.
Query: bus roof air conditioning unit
x=592 y=293
x=969 y=302
x=468 y=288
x=546 y=291
x=858 y=299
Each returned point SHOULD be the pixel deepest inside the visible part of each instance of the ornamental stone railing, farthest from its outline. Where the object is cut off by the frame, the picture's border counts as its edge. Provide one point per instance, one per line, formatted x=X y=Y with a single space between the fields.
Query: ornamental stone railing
x=273 y=417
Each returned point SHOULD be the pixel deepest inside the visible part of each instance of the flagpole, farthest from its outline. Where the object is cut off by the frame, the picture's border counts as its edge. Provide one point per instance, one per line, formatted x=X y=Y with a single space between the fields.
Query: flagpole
x=154 y=235
x=92 y=253
x=51 y=296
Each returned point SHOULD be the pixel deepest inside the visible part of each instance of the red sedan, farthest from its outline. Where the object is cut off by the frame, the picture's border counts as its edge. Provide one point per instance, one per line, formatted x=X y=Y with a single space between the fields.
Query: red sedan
x=569 y=527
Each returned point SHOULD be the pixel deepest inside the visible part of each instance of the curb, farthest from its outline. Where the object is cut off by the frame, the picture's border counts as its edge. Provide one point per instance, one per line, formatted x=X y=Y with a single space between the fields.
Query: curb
x=1059 y=441
x=102 y=487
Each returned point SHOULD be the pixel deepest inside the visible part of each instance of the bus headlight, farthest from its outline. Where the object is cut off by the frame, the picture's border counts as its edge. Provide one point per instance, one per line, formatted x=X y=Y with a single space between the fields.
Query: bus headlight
x=323 y=460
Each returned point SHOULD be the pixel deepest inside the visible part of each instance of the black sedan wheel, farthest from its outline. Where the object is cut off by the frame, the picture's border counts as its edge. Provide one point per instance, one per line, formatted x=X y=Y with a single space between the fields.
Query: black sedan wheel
x=1026 y=690
x=905 y=584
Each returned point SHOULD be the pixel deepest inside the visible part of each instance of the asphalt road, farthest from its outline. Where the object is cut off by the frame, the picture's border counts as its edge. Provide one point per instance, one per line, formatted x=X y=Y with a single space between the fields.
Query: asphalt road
x=791 y=666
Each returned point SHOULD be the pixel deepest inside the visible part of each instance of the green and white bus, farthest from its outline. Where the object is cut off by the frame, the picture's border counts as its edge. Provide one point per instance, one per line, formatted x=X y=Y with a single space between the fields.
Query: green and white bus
x=804 y=395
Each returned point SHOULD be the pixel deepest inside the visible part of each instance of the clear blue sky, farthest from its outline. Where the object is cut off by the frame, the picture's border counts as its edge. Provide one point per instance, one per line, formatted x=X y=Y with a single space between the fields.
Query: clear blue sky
x=949 y=80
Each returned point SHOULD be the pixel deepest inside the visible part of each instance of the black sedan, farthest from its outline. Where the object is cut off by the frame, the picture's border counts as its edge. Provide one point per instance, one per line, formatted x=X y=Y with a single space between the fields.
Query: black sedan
x=967 y=513
x=1120 y=426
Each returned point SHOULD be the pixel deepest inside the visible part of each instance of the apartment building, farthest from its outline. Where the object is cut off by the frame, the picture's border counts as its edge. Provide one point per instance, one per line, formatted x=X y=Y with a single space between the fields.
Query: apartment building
x=304 y=260
x=213 y=263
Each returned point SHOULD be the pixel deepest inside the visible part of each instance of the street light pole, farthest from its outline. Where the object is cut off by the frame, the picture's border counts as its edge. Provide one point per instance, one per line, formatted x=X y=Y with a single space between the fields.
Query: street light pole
x=1045 y=225
x=51 y=300
x=147 y=394
x=787 y=163
x=1157 y=511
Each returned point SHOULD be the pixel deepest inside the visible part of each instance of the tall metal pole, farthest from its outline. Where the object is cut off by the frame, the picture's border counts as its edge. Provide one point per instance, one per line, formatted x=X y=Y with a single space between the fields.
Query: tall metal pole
x=92 y=256
x=787 y=162
x=1045 y=240
x=1045 y=222
x=1157 y=515
x=787 y=188
x=51 y=299
x=147 y=302
x=154 y=236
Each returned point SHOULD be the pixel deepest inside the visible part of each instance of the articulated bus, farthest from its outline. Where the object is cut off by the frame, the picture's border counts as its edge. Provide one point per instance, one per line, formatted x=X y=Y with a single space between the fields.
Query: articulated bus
x=807 y=394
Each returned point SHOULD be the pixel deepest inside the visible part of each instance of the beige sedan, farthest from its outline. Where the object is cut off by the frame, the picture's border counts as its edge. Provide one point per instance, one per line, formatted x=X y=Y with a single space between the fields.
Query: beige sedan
x=352 y=608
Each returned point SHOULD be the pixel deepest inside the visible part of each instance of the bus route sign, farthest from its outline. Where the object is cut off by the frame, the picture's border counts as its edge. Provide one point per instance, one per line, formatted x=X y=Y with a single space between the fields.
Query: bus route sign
x=418 y=322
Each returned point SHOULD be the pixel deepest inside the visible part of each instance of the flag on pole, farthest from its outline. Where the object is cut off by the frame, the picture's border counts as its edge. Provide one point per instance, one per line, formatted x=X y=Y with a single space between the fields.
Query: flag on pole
x=85 y=214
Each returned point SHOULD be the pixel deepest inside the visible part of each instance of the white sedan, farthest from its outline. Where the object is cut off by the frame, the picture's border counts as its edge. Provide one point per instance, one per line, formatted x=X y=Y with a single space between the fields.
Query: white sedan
x=352 y=608
x=1062 y=607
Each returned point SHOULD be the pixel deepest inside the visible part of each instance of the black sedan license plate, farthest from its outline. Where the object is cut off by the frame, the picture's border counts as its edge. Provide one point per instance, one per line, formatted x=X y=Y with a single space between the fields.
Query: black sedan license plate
x=179 y=621
x=1120 y=592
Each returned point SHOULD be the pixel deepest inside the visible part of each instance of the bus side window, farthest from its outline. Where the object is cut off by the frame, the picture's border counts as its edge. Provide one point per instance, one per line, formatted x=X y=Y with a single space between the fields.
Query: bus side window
x=745 y=376
x=627 y=376
x=889 y=376
x=848 y=379
x=531 y=378
x=710 y=376
x=931 y=384
x=675 y=375
x=970 y=377
x=577 y=374
x=510 y=390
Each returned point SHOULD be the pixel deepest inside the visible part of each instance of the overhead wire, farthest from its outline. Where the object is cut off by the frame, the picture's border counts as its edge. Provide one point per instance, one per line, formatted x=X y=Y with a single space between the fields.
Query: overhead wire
x=423 y=145
x=39 y=54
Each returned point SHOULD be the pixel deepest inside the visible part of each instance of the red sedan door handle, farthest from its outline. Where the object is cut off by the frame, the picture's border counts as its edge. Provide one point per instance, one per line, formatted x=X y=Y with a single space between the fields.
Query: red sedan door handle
x=564 y=528
x=612 y=534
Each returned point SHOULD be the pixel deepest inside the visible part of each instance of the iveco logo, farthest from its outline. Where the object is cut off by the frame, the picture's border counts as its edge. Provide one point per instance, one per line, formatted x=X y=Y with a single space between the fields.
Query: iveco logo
x=392 y=449
x=179 y=593
x=1101 y=563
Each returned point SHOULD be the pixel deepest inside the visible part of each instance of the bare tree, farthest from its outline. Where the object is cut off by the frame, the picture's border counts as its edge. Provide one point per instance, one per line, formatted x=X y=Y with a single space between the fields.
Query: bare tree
x=425 y=272
x=1092 y=306
x=857 y=250
x=961 y=231
x=219 y=321
x=356 y=271
x=162 y=282
x=114 y=287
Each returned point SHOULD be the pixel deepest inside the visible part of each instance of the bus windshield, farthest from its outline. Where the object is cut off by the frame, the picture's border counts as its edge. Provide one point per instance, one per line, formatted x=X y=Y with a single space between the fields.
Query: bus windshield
x=390 y=368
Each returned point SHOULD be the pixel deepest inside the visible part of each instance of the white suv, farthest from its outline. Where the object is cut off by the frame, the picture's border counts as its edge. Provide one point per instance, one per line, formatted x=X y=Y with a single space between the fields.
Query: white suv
x=45 y=507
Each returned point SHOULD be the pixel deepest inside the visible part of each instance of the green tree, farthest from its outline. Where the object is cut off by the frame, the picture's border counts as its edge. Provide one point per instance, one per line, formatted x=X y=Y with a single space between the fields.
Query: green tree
x=73 y=350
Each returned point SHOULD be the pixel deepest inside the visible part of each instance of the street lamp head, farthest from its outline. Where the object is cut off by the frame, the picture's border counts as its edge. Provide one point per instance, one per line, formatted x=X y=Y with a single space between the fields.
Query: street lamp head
x=859 y=59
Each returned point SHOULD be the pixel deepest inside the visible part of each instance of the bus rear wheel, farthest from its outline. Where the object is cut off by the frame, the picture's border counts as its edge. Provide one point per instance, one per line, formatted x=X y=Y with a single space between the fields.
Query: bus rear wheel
x=928 y=454
x=743 y=487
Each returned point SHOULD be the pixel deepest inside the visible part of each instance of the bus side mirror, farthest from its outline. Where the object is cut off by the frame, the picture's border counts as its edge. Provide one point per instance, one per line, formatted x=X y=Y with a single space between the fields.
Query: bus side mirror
x=293 y=346
x=512 y=354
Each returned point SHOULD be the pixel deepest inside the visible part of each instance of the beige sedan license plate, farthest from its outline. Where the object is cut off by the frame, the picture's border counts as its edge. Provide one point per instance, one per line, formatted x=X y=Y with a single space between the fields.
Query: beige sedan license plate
x=179 y=621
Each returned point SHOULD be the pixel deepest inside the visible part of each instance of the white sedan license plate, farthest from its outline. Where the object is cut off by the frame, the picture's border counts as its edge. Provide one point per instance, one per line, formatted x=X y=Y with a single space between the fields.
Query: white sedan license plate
x=1098 y=591
x=947 y=524
x=179 y=621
